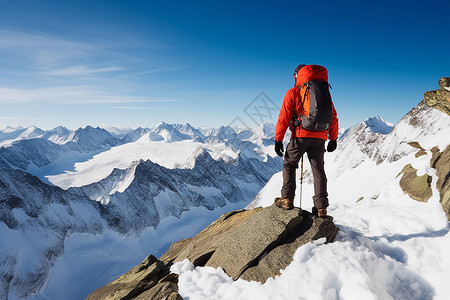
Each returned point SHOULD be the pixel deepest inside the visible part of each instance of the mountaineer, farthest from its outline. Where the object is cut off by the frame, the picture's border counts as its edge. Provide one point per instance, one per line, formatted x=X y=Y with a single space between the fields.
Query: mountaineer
x=309 y=112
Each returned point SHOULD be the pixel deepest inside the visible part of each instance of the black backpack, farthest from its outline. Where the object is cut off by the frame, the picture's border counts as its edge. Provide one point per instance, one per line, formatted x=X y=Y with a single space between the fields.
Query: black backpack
x=317 y=105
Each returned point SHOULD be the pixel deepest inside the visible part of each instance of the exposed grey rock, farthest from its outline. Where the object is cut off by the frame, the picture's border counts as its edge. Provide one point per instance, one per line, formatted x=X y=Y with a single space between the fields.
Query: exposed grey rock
x=161 y=291
x=421 y=151
x=439 y=99
x=415 y=145
x=270 y=265
x=242 y=242
x=141 y=282
x=444 y=82
x=441 y=162
x=417 y=187
x=260 y=233
x=435 y=156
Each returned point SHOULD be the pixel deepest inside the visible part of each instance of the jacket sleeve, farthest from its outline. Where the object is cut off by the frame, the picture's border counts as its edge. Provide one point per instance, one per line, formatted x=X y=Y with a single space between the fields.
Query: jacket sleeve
x=285 y=116
x=334 y=127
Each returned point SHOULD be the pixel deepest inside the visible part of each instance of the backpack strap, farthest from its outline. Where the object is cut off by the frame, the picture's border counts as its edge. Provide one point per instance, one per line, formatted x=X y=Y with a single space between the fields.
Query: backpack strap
x=295 y=121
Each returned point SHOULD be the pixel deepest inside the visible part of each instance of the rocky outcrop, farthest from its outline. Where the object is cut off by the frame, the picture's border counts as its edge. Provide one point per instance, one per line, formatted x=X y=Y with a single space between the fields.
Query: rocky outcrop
x=244 y=243
x=249 y=244
x=417 y=187
x=440 y=99
x=149 y=280
x=441 y=162
x=421 y=151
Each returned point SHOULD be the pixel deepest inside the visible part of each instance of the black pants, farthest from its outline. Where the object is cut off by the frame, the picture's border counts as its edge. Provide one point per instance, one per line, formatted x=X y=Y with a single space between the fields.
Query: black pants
x=315 y=148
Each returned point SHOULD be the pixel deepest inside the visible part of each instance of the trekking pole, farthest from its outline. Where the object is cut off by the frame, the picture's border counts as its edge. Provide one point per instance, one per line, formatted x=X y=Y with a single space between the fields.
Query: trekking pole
x=301 y=182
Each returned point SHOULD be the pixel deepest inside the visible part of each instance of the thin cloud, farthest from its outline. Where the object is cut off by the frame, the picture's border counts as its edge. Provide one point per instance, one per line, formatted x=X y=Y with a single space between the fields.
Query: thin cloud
x=160 y=70
x=19 y=119
x=46 y=50
x=80 y=71
x=137 y=107
x=42 y=49
x=68 y=95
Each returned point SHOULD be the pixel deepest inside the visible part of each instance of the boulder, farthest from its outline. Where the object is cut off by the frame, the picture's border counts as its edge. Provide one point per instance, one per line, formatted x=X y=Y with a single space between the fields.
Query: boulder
x=417 y=187
x=441 y=162
x=249 y=244
x=148 y=280
x=439 y=99
x=421 y=151
x=252 y=244
x=444 y=83
x=270 y=264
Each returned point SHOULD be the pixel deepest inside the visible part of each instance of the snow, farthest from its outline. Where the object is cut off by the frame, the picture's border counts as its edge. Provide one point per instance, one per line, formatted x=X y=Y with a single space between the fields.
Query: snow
x=388 y=246
x=101 y=165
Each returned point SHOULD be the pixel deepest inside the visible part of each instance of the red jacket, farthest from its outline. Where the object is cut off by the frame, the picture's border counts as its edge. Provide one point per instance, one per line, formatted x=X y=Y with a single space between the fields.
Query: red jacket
x=292 y=101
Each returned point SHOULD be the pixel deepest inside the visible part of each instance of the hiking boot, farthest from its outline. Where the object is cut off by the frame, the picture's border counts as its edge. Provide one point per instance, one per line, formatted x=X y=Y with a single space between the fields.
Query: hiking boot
x=284 y=203
x=321 y=212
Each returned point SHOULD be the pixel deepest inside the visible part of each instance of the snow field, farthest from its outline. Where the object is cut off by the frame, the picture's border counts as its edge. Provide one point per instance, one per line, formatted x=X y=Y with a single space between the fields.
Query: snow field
x=121 y=157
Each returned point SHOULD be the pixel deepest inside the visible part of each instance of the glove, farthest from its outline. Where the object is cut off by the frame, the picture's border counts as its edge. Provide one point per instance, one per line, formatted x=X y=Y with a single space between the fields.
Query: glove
x=279 y=148
x=332 y=144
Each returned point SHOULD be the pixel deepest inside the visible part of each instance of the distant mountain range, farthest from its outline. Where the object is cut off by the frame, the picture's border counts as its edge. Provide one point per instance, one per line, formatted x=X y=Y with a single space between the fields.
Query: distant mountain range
x=90 y=181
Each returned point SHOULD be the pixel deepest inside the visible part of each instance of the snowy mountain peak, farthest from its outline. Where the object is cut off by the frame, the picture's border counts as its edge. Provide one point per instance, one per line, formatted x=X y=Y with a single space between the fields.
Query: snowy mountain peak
x=265 y=130
x=90 y=138
x=163 y=125
x=117 y=131
x=378 y=125
x=58 y=135
x=12 y=134
x=10 y=128
x=225 y=132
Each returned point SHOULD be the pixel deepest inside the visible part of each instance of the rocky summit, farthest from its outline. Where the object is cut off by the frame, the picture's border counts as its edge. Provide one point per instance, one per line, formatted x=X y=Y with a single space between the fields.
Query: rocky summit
x=440 y=99
x=253 y=245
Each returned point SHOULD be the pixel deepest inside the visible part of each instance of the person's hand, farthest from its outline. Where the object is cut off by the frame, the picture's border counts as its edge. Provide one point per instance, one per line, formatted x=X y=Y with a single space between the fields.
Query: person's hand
x=332 y=144
x=279 y=148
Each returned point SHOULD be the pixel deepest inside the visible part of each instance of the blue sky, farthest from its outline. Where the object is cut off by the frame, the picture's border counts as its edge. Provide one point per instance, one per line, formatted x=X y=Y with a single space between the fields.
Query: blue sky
x=135 y=63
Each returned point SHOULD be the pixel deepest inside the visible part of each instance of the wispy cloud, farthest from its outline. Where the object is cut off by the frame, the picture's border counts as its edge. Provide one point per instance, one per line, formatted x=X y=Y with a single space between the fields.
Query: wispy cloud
x=80 y=71
x=160 y=70
x=3 y=118
x=43 y=49
x=69 y=95
x=137 y=107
